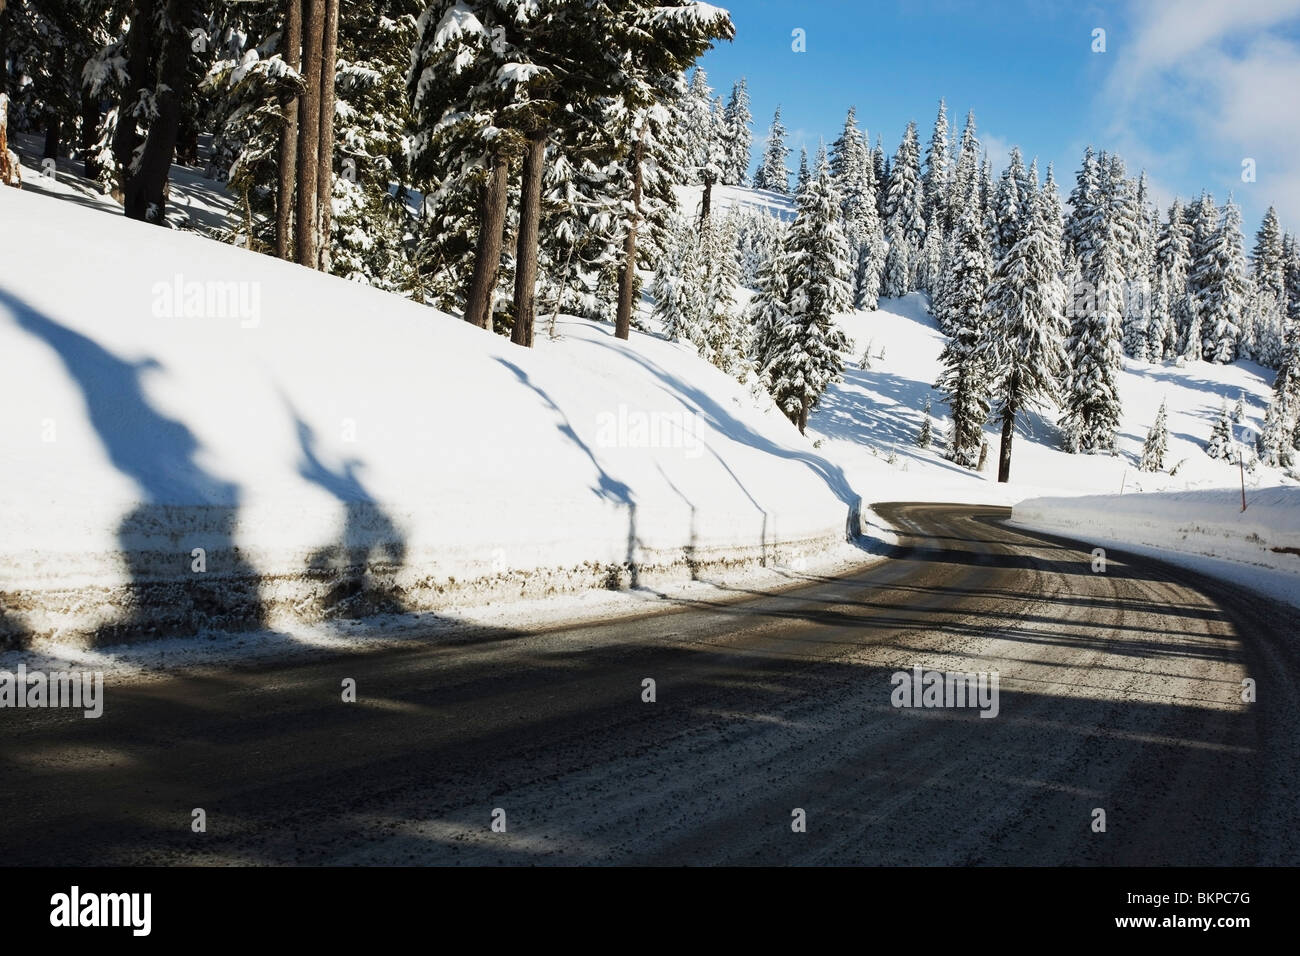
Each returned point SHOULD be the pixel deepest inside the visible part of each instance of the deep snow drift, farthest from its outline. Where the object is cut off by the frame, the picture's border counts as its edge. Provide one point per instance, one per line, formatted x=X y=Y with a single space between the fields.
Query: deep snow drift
x=200 y=436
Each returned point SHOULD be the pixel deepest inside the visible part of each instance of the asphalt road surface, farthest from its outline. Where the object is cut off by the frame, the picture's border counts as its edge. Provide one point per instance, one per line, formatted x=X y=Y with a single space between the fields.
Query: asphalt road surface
x=1119 y=691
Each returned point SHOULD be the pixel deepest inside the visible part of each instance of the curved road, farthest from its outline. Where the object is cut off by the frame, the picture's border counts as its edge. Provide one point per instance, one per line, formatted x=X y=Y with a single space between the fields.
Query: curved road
x=1119 y=690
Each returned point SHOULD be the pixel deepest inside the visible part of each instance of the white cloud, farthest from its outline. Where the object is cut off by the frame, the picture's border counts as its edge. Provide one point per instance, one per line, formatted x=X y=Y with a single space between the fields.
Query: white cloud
x=1203 y=82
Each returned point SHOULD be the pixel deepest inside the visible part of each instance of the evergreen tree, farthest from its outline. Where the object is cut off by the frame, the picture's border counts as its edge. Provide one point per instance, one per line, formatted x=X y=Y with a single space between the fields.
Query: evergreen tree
x=1267 y=264
x=809 y=345
x=1092 y=405
x=938 y=176
x=1219 y=276
x=801 y=180
x=1220 y=445
x=737 y=135
x=923 y=437
x=904 y=220
x=1022 y=345
x=1156 y=445
x=964 y=380
x=1273 y=443
x=767 y=312
x=1084 y=201
x=773 y=174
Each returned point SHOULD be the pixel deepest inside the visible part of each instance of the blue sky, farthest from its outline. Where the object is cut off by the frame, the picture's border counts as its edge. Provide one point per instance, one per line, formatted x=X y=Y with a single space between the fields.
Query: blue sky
x=1186 y=89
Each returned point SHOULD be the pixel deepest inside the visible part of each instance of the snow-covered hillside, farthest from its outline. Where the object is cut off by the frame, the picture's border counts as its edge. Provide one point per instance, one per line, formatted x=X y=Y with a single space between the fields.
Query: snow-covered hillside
x=877 y=413
x=327 y=445
x=309 y=446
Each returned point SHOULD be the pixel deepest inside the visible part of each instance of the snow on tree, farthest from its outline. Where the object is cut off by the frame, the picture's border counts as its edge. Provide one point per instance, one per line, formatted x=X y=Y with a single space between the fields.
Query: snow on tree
x=1267 y=263
x=1273 y=444
x=938 y=175
x=725 y=332
x=773 y=174
x=1012 y=209
x=809 y=345
x=1220 y=445
x=1162 y=338
x=904 y=219
x=964 y=174
x=767 y=311
x=1219 y=276
x=1021 y=347
x=1156 y=445
x=964 y=380
x=678 y=285
x=923 y=437
x=1084 y=201
x=802 y=177
x=1092 y=402
x=758 y=240
x=737 y=136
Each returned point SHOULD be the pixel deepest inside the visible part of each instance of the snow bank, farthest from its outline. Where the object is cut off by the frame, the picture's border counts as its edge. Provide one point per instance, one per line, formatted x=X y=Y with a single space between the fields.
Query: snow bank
x=1263 y=541
x=199 y=437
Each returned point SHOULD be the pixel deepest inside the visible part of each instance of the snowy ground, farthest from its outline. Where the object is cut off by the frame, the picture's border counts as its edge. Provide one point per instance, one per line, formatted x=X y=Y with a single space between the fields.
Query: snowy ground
x=337 y=452
x=188 y=423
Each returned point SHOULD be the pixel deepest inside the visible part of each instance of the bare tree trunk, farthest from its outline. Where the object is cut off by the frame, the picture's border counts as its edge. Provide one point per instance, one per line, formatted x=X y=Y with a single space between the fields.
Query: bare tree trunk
x=145 y=192
x=530 y=211
x=140 y=70
x=53 y=134
x=1008 y=433
x=288 y=136
x=89 y=132
x=487 y=253
x=313 y=28
x=627 y=275
x=803 y=418
x=325 y=173
x=706 y=202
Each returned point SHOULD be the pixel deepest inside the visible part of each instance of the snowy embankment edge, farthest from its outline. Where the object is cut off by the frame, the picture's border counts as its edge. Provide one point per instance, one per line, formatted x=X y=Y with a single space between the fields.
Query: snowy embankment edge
x=169 y=606
x=1203 y=531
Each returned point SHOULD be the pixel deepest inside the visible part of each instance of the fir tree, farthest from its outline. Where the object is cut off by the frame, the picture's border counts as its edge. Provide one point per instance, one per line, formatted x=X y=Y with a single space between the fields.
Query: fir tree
x=772 y=173
x=904 y=219
x=1220 y=445
x=1022 y=345
x=1273 y=444
x=1219 y=276
x=809 y=345
x=801 y=179
x=1156 y=445
x=923 y=437
x=964 y=380
x=737 y=135
x=938 y=175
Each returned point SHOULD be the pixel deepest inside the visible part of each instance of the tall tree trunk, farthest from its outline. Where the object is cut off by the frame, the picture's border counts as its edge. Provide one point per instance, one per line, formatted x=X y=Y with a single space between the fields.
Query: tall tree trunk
x=313 y=29
x=89 y=132
x=803 y=417
x=706 y=201
x=288 y=136
x=1008 y=433
x=325 y=170
x=491 y=231
x=627 y=275
x=530 y=211
x=140 y=70
x=145 y=192
x=53 y=134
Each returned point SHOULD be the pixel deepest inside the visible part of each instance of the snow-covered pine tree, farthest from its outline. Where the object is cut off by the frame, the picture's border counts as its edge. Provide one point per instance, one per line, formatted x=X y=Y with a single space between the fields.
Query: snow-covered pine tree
x=1084 y=200
x=1156 y=445
x=725 y=332
x=1012 y=209
x=1267 y=263
x=737 y=135
x=965 y=172
x=758 y=240
x=768 y=310
x=964 y=380
x=937 y=178
x=1220 y=444
x=1162 y=339
x=677 y=286
x=802 y=177
x=809 y=345
x=773 y=174
x=1092 y=402
x=1273 y=444
x=1219 y=275
x=923 y=437
x=904 y=217
x=880 y=171
x=1173 y=257
x=1022 y=347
